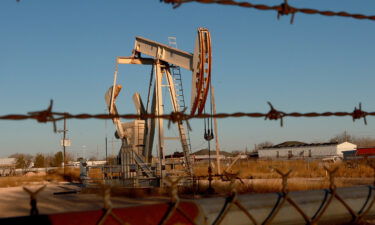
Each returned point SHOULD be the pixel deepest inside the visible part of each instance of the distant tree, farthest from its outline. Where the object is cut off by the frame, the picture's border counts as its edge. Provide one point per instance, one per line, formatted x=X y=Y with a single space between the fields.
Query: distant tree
x=342 y=137
x=237 y=152
x=22 y=160
x=69 y=156
x=359 y=141
x=364 y=142
x=93 y=158
x=263 y=144
x=57 y=159
x=48 y=158
x=39 y=161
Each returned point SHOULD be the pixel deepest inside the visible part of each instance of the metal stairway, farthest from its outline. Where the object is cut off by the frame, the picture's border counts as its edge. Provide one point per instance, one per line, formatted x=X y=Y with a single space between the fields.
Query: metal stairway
x=143 y=166
x=176 y=73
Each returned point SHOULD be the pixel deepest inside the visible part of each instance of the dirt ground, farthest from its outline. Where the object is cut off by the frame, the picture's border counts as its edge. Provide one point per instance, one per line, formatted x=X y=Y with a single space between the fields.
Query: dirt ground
x=16 y=202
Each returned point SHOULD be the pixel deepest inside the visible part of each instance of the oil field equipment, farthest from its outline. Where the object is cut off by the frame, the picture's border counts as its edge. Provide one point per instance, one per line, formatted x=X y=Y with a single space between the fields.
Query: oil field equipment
x=137 y=165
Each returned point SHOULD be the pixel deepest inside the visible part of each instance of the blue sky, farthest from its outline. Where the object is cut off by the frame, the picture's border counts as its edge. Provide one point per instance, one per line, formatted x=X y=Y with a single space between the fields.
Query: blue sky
x=65 y=51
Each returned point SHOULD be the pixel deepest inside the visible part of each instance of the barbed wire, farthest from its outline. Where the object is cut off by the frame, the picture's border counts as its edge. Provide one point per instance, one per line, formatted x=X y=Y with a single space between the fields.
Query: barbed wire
x=48 y=115
x=282 y=9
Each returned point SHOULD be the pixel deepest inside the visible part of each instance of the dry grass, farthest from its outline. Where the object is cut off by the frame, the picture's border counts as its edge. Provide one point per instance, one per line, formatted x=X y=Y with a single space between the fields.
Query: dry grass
x=273 y=185
x=95 y=173
x=264 y=169
x=71 y=175
x=260 y=176
x=20 y=181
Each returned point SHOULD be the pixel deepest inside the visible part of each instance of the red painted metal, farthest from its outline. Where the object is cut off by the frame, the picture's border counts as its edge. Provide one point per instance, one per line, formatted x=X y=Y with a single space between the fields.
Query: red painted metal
x=365 y=151
x=146 y=214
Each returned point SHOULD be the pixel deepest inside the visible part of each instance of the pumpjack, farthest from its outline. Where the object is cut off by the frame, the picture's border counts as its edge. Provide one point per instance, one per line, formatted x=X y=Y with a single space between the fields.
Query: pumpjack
x=138 y=166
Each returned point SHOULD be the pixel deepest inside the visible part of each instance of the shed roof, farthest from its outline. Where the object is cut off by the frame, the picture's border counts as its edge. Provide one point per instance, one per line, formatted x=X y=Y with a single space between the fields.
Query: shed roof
x=294 y=144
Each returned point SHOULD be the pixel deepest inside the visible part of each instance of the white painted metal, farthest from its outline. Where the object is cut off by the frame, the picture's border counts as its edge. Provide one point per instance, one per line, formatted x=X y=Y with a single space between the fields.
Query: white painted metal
x=159 y=121
x=345 y=146
x=306 y=151
x=132 y=60
x=8 y=161
x=65 y=142
x=110 y=99
x=164 y=52
x=113 y=90
x=150 y=130
x=139 y=107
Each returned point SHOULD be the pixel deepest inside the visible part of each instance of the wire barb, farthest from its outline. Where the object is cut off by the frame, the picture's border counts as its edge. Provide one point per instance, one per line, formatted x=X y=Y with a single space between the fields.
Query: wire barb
x=286 y=9
x=274 y=114
x=179 y=117
x=45 y=116
x=358 y=113
x=175 y=3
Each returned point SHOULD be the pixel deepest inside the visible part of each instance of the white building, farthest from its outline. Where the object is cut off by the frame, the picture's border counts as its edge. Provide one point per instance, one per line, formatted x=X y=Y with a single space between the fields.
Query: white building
x=7 y=166
x=303 y=150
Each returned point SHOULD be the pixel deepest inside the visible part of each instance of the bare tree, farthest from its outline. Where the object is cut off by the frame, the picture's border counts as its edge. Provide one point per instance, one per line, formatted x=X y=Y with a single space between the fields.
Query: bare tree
x=342 y=137
x=359 y=141
x=263 y=144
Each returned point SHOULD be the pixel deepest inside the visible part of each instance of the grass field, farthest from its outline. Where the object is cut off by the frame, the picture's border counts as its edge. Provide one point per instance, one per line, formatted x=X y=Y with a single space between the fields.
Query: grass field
x=264 y=169
x=71 y=175
x=260 y=176
x=255 y=177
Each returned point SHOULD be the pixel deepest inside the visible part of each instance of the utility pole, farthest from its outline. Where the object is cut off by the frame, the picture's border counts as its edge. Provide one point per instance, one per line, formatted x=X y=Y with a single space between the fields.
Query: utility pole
x=106 y=142
x=64 y=143
x=106 y=149
x=64 y=156
x=216 y=135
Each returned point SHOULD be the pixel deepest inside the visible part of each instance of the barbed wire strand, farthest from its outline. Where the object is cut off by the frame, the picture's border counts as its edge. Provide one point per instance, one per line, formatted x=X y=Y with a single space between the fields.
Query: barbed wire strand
x=282 y=9
x=48 y=115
